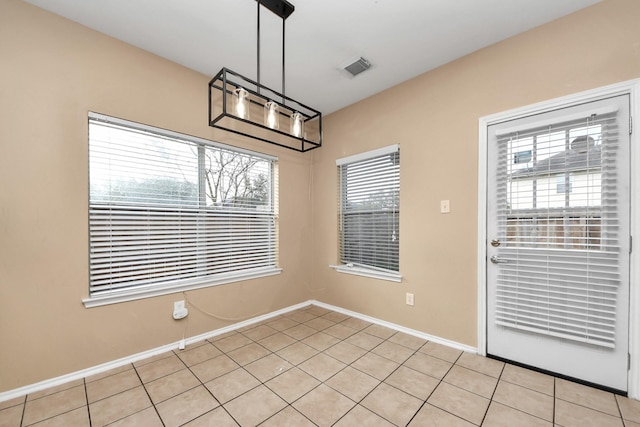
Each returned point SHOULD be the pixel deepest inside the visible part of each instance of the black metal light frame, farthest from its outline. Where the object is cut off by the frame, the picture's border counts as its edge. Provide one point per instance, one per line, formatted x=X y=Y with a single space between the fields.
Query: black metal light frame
x=222 y=88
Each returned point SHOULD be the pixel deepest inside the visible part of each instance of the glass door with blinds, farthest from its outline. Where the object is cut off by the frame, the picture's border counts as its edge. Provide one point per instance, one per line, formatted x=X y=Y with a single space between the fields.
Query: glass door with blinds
x=558 y=241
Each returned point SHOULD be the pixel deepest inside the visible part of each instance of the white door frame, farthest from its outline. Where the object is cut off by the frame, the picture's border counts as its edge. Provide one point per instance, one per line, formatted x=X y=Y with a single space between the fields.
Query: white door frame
x=631 y=87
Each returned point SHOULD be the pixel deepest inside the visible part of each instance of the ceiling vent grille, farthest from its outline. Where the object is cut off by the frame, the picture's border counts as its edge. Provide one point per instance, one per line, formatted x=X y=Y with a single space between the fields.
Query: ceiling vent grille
x=358 y=66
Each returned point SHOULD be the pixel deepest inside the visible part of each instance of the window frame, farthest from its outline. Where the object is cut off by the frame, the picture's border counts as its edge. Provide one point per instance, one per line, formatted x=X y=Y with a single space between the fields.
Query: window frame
x=551 y=172
x=356 y=268
x=181 y=284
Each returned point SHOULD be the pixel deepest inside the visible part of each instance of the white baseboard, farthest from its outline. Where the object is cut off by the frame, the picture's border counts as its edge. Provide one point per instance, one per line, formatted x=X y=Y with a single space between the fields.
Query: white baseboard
x=398 y=328
x=53 y=382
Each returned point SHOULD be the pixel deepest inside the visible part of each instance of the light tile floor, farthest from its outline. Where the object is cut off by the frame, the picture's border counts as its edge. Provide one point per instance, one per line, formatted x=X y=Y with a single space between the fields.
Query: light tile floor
x=315 y=367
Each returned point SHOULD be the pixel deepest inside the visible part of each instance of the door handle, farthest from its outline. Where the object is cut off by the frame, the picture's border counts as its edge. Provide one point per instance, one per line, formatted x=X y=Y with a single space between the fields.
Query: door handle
x=497 y=260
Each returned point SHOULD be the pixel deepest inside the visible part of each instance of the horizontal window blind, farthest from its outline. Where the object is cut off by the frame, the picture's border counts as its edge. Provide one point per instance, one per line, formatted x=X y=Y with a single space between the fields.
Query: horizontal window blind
x=370 y=210
x=559 y=222
x=167 y=209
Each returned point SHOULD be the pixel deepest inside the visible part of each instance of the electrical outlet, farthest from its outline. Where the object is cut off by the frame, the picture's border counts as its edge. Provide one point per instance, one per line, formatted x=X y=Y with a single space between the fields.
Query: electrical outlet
x=179 y=310
x=409 y=298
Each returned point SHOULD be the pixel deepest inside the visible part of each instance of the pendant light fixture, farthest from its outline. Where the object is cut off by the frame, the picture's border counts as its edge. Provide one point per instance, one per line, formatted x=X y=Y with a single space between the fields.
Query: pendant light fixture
x=297 y=125
x=242 y=103
x=235 y=102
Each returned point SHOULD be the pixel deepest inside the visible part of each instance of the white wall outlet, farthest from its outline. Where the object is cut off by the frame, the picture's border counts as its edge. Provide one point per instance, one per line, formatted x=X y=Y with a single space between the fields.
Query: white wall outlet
x=409 y=298
x=444 y=206
x=179 y=310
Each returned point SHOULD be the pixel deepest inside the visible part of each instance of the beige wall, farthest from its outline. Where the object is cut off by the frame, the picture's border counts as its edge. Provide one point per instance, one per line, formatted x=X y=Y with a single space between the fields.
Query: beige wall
x=434 y=118
x=52 y=72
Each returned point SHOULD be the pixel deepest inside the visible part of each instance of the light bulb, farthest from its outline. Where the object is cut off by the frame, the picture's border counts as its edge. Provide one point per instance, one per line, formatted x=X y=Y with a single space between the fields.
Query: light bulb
x=297 y=125
x=242 y=103
x=271 y=115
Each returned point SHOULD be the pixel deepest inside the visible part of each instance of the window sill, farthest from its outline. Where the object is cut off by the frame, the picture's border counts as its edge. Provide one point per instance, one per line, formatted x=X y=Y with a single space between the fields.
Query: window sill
x=368 y=272
x=177 y=286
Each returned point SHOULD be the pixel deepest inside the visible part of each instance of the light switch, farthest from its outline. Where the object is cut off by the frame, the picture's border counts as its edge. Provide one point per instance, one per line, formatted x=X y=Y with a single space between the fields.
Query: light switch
x=444 y=206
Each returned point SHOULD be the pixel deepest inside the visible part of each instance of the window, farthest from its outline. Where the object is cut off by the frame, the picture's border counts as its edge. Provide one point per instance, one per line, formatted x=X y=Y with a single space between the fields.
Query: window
x=170 y=212
x=554 y=199
x=522 y=157
x=370 y=213
x=564 y=183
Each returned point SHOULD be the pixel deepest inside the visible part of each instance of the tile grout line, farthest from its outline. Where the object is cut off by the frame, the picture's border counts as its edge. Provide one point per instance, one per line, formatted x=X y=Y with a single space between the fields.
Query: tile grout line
x=200 y=381
x=295 y=367
x=86 y=396
x=370 y=351
x=615 y=397
x=365 y=373
x=261 y=383
x=416 y=351
x=440 y=381
x=207 y=388
x=148 y=395
x=493 y=393
x=553 y=396
x=295 y=341
x=398 y=367
x=24 y=409
x=554 y=401
x=318 y=352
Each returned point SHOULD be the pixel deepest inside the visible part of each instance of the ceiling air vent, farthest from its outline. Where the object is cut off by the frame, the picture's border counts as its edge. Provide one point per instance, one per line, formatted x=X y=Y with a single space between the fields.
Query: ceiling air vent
x=358 y=66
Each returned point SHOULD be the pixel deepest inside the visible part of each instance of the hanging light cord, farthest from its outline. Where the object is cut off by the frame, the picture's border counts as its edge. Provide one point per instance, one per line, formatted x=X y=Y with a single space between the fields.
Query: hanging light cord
x=284 y=20
x=283 y=38
x=258 y=50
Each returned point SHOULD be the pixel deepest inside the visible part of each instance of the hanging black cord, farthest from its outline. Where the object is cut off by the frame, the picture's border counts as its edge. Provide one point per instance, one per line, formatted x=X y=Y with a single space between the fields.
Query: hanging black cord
x=283 y=92
x=258 y=50
x=284 y=19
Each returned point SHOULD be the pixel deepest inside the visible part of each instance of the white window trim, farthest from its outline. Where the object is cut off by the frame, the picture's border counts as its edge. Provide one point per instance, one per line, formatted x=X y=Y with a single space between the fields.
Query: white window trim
x=631 y=87
x=391 y=276
x=173 y=287
x=177 y=135
x=368 y=155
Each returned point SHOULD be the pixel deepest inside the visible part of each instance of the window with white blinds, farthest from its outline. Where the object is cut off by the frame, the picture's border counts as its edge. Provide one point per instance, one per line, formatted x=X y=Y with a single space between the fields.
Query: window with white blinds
x=370 y=212
x=169 y=212
x=559 y=218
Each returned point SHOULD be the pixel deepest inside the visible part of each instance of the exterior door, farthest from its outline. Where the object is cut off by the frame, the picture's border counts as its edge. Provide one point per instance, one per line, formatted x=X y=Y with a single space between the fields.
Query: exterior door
x=558 y=241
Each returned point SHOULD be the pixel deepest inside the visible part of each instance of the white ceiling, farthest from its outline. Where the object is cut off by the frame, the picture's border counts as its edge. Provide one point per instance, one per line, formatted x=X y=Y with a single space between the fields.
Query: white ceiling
x=401 y=38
